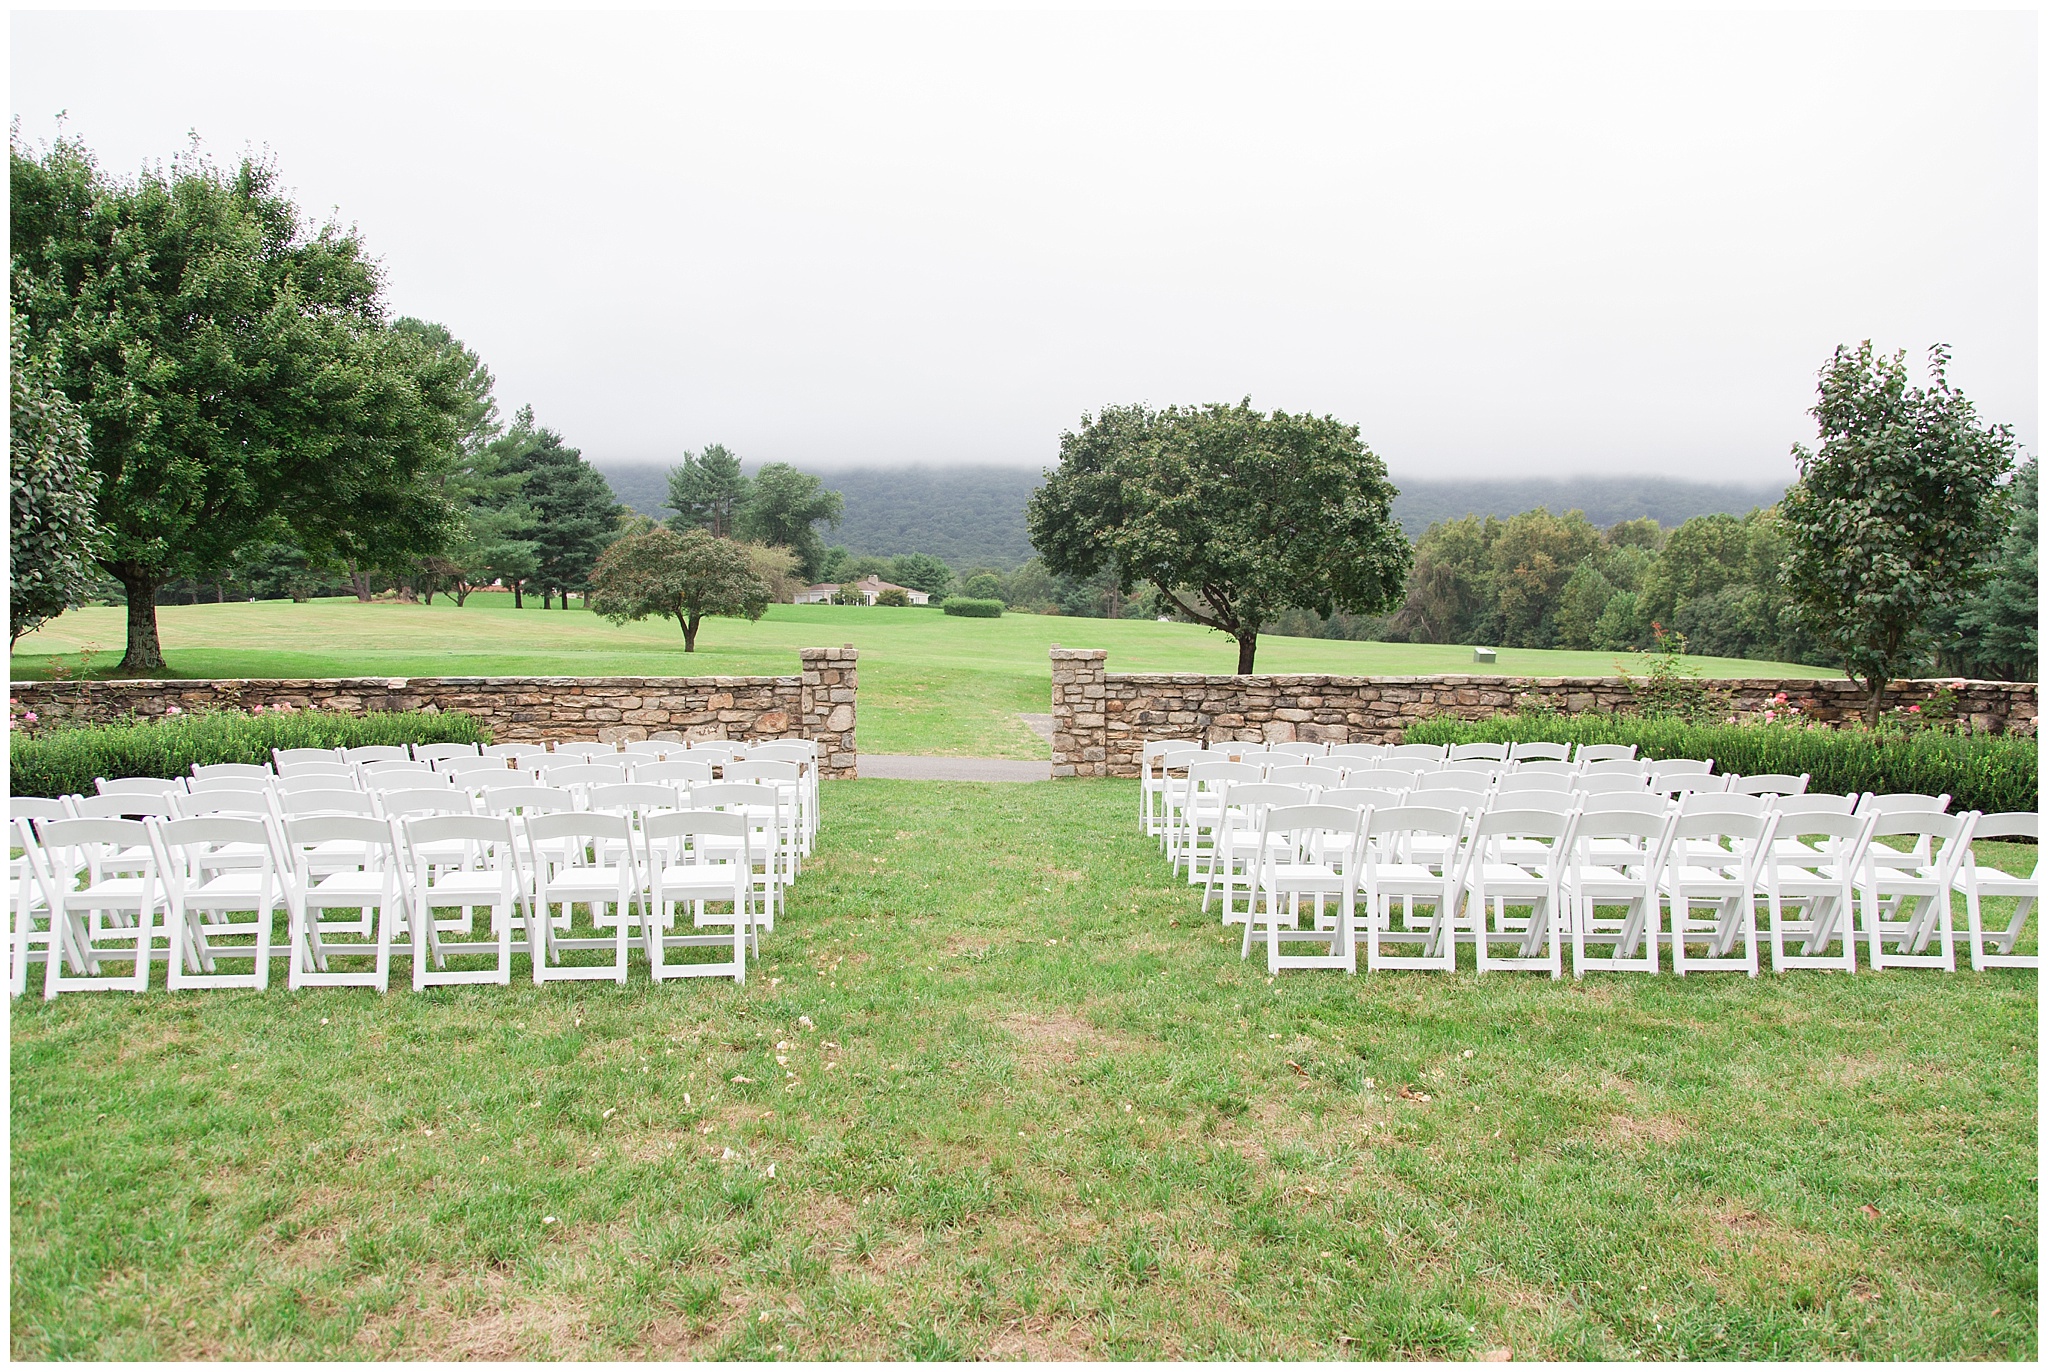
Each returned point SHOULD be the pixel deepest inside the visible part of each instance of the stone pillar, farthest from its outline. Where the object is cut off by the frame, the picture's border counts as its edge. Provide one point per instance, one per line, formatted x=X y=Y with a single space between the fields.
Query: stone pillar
x=830 y=682
x=1080 y=722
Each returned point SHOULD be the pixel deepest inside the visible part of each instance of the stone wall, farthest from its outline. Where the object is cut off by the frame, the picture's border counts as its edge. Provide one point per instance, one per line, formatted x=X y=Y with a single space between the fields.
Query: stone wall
x=1100 y=718
x=818 y=703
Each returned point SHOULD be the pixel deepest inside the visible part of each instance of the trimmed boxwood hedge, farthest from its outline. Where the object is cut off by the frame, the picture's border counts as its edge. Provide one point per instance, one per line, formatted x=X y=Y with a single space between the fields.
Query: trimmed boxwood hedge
x=66 y=760
x=1979 y=771
x=972 y=608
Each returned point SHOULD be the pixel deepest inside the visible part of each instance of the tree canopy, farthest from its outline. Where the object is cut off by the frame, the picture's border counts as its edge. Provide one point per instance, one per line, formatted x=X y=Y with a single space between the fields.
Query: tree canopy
x=575 y=514
x=707 y=491
x=51 y=484
x=1892 y=516
x=1232 y=515
x=233 y=367
x=687 y=576
x=784 y=507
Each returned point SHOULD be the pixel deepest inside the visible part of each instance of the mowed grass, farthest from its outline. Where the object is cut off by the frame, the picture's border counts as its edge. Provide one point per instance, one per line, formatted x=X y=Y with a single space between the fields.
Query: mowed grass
x=929 y=683
x=1040 y=1110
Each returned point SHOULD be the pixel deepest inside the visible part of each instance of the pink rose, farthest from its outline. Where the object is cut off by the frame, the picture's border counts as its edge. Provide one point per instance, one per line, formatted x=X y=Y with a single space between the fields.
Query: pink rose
x=30 y=717
x=1912 y=709
x=1770 y=715
x=174 y=710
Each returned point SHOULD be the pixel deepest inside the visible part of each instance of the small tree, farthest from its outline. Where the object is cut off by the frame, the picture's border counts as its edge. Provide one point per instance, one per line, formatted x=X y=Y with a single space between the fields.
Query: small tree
x=687 y=576
x=51 y=489
x=1231 y=514
x=922 y=572
x=1889 y=521
x=707 y=491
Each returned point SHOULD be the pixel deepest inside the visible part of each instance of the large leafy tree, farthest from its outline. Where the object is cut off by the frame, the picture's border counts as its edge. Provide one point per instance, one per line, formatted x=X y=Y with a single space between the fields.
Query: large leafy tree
x=922 y=572
x=707 y=492
x=233 y=365
x=575 y=514
x=1890 y=519
x=51 y=485
x=1231 y=514
x=783 y=509
x=684 y=577
x=1996 y=631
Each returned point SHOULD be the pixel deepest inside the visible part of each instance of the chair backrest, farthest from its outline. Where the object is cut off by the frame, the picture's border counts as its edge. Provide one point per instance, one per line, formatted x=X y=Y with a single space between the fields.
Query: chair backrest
x=1721 y=803
x=1540 y=752
x=584 y=774
x=1251 y=795
x=138 y=786
x=241 y=771
x=36 y=807
x=420 y=830
x=1846 y=833
x=118 y=805
x=1211 y=775
x=1306 y=774
x=322 y=767
x=1770 y=784
x=229 y=783
x=1627 y=803
x=2008 y=824
x=469 y=771
x=1421 y=752
x=1311 y=827
x=1914 y=823
x=436 y=752
x=1303 y=748
x=1636 y=783
x=1682 y=766
x=208 y=830
x=1686 y=783
x=1524 y=822
x=1381 y=779
x=315 y=781
x=784 y=750
x=1901 y=803
x=1718 y=824
x=281 y=757
x=525 y=799
x=92 y=832
x=771 y=770
x=676 y=771
x=1519 y=780
x=292 y=803
x=1604 y=752
x=220 y=803
x=720 y=794
x=1437 y=821
x=674 y=824
x=395 y=766
x=1491 y=752
x=1472 y=791
x=1476 y=766
x=586 y=750
x=375 y=752
x=1180 y=759
x=714 y=749
x=648 y=748
x=441 y=800
x=303 y=831
x=1548 y=767
x=1360 y=750
x=506 y=749
x=1815 y=805
x=526 y=757
x=1361 y=797
x=1551 y=800
x=636 y=796
x=578 y=824
x=1616 y=767
x=1632 y=824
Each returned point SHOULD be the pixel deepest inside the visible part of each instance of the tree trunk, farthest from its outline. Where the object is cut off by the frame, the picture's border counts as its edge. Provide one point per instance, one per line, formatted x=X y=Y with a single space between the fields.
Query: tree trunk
x=145 y=650
x=1247 y=649
x=1875 y=708
x=358 y=582
x=461 y=593
x=547 y=597
x=689 y=623
x=518 y=585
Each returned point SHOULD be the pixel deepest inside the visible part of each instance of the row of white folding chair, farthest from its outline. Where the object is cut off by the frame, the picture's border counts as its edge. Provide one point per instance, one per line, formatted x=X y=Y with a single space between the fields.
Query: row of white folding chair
x=105 y=880
x=1720 y=857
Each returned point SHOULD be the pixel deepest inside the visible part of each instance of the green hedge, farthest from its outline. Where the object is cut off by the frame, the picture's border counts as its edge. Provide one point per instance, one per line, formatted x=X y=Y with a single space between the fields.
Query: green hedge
x=1980 y=771
x=972 y=608
x=66 y=760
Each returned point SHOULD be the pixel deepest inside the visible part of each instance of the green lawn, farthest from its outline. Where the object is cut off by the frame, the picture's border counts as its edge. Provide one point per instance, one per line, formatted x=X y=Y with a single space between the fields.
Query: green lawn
x=1040 y=1110
x=930 y=683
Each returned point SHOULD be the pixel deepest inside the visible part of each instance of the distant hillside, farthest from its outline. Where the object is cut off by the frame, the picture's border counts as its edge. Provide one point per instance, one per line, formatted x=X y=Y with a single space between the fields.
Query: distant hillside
x=973 y=516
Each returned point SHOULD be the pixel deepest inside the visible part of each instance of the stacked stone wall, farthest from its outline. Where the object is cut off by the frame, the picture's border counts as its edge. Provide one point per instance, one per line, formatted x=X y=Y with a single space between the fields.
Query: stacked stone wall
x=818 y=703
x=1101 y=718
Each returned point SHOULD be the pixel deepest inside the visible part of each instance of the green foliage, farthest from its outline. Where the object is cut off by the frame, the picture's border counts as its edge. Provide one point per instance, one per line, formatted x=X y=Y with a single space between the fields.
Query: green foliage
x=52 y=534
x=680 y=576
x=233 y=365
x=64 y=761
x=707 y=491
x=1233 y=516
x=973 y=607
x=894 y=597
x=983 y=585
x=1995 y=632
x=922 y=572
x=1889 y=521
x=1979 y=771
x=783 y=508
x=575 y=516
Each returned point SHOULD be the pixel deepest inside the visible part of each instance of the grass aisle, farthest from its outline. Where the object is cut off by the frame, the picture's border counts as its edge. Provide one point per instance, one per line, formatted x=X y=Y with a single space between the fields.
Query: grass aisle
x=1041 y=1109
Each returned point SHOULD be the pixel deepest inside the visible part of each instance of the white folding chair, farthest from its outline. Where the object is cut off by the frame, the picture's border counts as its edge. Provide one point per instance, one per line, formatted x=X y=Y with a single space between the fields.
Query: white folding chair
x=579 y=777
x=238 y=771
x=1902 y=803
x=787 y=777
x=1636 y=783
x=597 y=886
x=1360 y=752
x=1770 y=784
x=772 y=842
x=1307 y=852
x=396 y=776
x=1539 y=752
x=206 y=887
x=31 y=908
x=102 y=900
x=372 y=888
x=487 y=877
x=227 y=781
x=1381 y=779
x=1152 y=783
x=695 y=861
x=680 y=772
x=1236 y=864
x=439 y=752
x=375 y=752
x=1981 y=882
x=1603 y=752
x=285 y=758
x=587 y=750
x=1404 y=753
x=1478 y=752
x=1613 y=885
x=1514 y=887
x=1714 y=861
x=1676 y=785
x=1680 y=766
x=1617 y=767
x=1810 y=887
x=1302 y=748
x=1305 y=774
x=1412 y=855
x=1906 y=905
x=138 y=786
x=1197 y=810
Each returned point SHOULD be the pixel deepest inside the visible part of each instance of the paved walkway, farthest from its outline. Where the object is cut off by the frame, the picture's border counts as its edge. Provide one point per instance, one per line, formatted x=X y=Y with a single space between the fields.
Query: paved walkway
x=896 y=767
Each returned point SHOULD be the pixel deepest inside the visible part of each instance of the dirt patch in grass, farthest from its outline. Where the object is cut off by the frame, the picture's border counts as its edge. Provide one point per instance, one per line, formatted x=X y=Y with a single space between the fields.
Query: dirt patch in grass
x=1627 y=1131
x=1040 y=1340
x=491 y=1322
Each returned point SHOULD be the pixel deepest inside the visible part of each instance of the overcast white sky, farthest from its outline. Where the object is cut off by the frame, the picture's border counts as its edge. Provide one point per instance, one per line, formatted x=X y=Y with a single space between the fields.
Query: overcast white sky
x=1503 y=245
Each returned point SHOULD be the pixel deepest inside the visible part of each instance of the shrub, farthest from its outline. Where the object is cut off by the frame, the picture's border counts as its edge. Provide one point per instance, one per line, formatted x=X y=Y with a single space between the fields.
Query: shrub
x=894 y=597
x=1980 y=771
x=974 y=608
x=66 y=760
